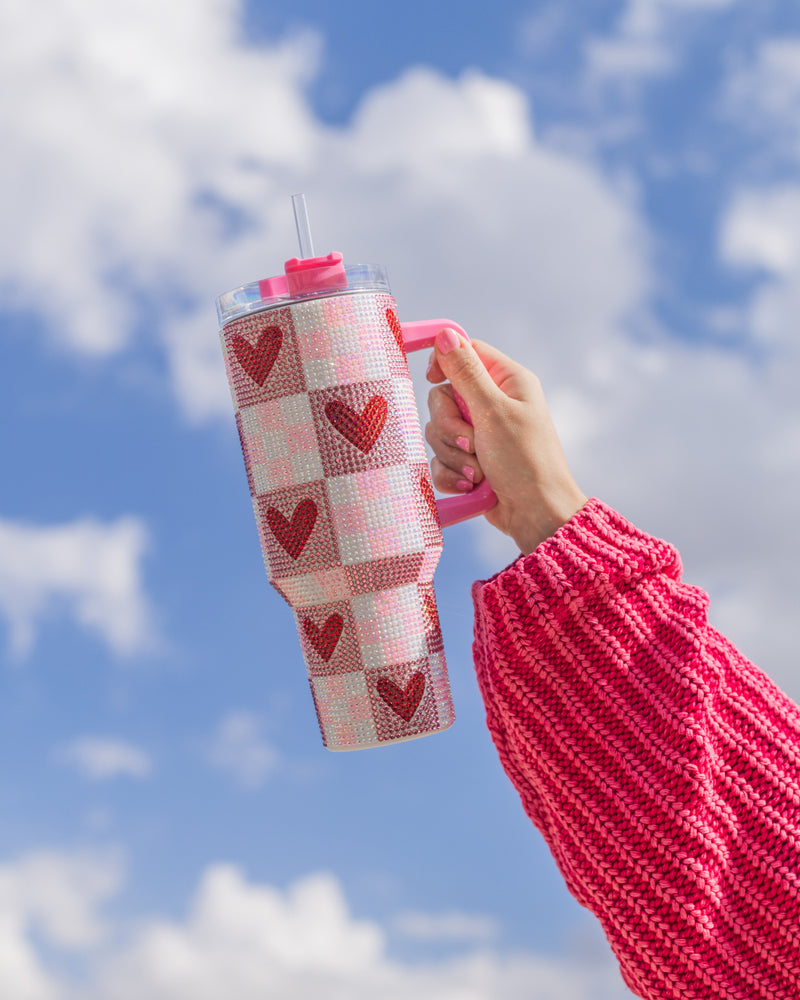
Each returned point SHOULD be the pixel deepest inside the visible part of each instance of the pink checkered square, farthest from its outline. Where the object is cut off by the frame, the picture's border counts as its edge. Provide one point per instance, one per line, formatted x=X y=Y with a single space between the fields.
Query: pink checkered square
x=261 y=358
x=372 y=517
x=393 y=336
x=344 y=710
x=440 y=688
x=385 y=574
x=240 y=432
x=403 y=700
x=357 y=427
x=390 y=626
x=425 y=503
x=430 y=615
x=328 y=638
x=340 y=341
x=296 y=530
x=279 y=443
x=430 y=560
x=408 y=422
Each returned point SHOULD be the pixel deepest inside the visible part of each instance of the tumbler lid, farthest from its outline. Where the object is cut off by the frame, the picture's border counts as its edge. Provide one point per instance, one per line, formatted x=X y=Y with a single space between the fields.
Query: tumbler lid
x=303 y=280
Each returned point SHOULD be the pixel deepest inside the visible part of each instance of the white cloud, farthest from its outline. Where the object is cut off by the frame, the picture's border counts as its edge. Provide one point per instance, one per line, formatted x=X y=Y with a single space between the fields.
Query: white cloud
x=47 y=896
x=245 y=940
x=450 y=926
x=121 y=120
x=763 y=96
x=240 y=749
x=253 y=941
x=646 y=39
x=145 y=167
x=92 y=569
x=760 y=230
x=100 y=758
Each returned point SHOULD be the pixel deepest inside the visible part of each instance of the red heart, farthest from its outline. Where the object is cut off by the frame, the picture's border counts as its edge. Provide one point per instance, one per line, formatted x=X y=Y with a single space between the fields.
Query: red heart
x=324 y=639
x=430 y=499
x=431 y=614
x=404 y=702
x=361 y=429
x=258 y=360
x=394 y=326
x=293 y=534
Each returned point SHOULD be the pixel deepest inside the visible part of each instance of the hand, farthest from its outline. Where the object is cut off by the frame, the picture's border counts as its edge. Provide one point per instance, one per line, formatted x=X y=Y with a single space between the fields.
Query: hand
x=512 y=440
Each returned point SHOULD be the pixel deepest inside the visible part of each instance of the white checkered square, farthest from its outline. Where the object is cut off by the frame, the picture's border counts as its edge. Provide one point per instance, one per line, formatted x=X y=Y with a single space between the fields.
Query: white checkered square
x=320 y=587
x=280 y=443
x=440 y=687
x=344 y=709
x=372 y=515
x=390 y=626
x=340 y=342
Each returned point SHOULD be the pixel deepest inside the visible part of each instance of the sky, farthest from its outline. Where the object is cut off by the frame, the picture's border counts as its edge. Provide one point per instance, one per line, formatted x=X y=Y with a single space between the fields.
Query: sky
x=610 y=193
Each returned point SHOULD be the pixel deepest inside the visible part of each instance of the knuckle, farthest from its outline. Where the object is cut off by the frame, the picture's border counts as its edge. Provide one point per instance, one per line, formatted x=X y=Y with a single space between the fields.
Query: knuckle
x=440 y=398
x=465 y=369
x=535 y=382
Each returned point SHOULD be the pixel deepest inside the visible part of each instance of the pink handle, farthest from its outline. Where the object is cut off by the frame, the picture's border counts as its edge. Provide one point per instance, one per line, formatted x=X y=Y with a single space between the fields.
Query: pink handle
x=416 y=337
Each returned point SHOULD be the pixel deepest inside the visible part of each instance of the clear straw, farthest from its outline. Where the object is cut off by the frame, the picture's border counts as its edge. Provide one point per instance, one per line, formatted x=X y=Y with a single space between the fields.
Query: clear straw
x=303 y=227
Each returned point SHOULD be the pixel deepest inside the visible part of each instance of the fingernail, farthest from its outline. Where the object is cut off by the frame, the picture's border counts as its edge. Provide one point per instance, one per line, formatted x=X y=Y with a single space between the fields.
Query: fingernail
x=430 y=365
x=462 y=443
x=464 y=486
x=447 y=340
x=468 y=473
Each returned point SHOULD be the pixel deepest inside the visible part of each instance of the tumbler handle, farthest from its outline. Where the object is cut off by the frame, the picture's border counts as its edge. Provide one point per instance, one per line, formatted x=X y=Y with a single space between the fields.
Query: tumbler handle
x=452 y=510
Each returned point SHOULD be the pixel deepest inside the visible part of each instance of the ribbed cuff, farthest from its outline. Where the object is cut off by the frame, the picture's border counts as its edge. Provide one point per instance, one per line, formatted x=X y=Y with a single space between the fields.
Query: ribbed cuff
x=596 y=542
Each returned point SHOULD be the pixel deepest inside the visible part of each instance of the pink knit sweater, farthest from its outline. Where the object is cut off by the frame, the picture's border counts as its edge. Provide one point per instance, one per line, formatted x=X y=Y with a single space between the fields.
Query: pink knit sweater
x=661 y=766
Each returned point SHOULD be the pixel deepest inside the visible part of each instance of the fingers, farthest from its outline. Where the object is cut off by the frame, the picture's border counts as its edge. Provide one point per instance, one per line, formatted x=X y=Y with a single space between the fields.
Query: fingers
x=447 y=428
x=448 y=480
x=456 y=360
x=434 y=372
x=452 y=442
x=458 y=473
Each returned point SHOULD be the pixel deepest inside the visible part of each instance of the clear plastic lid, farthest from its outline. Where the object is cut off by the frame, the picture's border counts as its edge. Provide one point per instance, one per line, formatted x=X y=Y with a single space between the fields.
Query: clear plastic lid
x=270 y=293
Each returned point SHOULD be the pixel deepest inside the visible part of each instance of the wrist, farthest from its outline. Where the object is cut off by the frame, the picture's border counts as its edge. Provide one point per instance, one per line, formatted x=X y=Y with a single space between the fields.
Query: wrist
x=543 y=519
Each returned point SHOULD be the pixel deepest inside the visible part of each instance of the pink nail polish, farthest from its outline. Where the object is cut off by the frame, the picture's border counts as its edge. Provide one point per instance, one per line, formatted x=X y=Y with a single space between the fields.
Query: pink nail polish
x=464 y=486
x=462 y=443
x=447 y=340
x=469 y=473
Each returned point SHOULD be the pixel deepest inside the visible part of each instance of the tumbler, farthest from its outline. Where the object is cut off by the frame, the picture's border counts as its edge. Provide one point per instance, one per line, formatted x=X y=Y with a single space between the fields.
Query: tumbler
x=336 y=465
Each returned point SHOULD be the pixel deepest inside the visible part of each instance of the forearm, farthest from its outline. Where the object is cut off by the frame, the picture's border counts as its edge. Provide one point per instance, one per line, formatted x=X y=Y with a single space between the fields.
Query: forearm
x=660 y=766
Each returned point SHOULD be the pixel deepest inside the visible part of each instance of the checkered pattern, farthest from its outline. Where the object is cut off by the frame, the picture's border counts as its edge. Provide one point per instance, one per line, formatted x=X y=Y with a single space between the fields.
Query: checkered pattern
x=279 y=442
x=342 y=495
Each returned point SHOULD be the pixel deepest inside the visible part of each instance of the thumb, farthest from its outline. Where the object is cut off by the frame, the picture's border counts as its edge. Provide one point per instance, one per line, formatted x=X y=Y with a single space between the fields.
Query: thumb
x=465 y=371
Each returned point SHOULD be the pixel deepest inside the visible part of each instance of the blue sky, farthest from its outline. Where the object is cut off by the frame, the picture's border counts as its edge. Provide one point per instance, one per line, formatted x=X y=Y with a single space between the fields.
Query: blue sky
x=609 y=194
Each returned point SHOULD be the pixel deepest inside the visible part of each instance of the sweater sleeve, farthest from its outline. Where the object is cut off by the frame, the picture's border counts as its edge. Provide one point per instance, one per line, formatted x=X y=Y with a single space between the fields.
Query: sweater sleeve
x=662 y=768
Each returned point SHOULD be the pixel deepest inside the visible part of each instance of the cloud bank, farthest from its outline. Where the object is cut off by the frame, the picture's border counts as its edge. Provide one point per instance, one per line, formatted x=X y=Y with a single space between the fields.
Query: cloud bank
x=244 y=939
x=152 y=155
